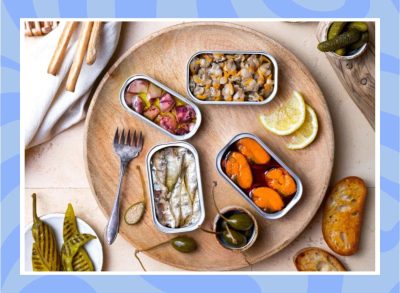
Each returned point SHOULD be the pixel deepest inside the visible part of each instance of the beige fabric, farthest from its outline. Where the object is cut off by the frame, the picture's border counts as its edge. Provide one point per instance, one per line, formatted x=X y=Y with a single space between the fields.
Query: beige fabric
x=46 y=107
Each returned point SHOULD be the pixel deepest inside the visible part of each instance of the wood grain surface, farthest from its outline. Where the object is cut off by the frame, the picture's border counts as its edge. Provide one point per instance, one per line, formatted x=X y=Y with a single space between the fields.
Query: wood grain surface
x=164 y=56
x=356 y=75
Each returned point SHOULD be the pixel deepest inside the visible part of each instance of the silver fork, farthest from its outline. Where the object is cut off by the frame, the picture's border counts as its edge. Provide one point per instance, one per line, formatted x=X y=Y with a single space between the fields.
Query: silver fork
x=127 y=149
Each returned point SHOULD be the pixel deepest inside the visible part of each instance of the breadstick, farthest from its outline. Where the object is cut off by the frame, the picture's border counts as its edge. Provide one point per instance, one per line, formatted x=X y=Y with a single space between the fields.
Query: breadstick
x=28 y=30
x=46 y=28
x=79 y=55
x=37 y=30
x=61 y=48
x=94 y=36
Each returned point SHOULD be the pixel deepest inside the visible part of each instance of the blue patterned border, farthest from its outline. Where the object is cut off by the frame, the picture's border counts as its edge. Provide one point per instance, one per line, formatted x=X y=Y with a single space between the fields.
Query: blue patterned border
x=386 y=10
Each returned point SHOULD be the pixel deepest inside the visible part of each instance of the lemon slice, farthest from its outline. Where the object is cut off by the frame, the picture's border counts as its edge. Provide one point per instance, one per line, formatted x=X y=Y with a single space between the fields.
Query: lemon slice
x=287 y=118
x=306 y=134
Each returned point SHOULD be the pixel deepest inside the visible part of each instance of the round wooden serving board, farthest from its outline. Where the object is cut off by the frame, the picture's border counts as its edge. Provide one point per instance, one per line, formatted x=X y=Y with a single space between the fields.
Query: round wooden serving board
x=164 y=56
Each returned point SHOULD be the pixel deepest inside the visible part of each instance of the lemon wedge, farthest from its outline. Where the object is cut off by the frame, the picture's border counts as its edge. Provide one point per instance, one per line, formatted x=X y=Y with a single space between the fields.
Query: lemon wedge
x=288 y=117
x=306 y=134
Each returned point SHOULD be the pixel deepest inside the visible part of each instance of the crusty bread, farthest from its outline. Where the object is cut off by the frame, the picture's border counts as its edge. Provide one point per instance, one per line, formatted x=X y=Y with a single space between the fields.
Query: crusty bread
x=316 y=259
x=343 y=213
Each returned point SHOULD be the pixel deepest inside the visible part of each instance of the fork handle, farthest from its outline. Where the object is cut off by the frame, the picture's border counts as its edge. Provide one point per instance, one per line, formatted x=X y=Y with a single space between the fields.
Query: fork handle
x=113 y=222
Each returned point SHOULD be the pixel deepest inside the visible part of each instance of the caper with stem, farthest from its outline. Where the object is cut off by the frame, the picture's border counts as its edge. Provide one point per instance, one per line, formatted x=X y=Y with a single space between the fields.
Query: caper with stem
x=234 y=238
x=239 y=221
x=183 y=243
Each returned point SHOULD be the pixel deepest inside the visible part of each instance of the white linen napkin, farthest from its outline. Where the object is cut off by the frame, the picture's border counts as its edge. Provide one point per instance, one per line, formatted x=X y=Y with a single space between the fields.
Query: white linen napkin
x=46 y=107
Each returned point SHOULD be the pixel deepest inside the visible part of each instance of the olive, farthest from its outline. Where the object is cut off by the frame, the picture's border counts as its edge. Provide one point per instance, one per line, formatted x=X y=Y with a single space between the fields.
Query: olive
x=184 y=244
x=234 y=238
x=240 y=222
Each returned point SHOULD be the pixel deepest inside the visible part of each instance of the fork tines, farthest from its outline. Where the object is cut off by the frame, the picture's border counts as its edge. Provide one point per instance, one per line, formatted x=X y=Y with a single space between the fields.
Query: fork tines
x=134 y=140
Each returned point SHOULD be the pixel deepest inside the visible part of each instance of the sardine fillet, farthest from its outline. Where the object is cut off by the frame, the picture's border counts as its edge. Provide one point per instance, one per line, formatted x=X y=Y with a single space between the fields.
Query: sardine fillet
x=189 y=164
x=175 y=201
x=186 y=205
x=174 y=159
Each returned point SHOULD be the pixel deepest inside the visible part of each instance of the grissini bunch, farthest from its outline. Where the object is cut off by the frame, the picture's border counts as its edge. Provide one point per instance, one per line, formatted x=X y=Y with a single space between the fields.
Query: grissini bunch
x=87 y=42
x=94 y=37
x=76 y=66
x=59 y=53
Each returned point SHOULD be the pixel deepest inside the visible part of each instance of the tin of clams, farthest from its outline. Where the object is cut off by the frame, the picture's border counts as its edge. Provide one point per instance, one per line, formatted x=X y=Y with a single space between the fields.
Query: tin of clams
x=238 y=77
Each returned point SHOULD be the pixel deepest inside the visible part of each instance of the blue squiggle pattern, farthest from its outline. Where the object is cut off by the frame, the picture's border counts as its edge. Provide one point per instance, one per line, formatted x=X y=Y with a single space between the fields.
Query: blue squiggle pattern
x=211 y=8
x=391 y=188
x=125 y=8
x=396 y=4
x=390 y=63
x=53 y=284
x=390 y=239
x=12 y=11
x=8 y=63
x=9 y=254
x=288 y=8
x=9 y=175
x=390 y=130
x=238 y=284
x=18 y=11
x=331 y=284
x=9 y=101
x=73 y=8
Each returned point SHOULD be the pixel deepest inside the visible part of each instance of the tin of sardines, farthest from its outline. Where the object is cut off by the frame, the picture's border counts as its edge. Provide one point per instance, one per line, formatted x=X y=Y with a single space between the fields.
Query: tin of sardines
x=259 y=175
x=176 y=193
x=232 y=77
x=160 y=106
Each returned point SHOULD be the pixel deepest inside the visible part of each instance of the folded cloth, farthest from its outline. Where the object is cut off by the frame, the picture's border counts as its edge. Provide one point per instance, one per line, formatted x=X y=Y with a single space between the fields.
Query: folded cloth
x=46 y=107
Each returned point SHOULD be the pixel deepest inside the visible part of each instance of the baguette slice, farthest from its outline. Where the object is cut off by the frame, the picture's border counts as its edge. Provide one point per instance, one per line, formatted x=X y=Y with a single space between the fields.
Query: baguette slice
x=316 y=259
x=343 y=213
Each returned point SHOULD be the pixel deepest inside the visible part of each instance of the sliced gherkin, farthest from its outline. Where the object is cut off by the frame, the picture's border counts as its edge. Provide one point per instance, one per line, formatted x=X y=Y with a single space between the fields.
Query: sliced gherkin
x=81 y=262
x=45 y=256
x=71 y=247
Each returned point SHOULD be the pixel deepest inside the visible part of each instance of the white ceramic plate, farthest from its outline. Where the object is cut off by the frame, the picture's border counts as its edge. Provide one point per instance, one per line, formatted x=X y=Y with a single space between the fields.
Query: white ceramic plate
x=55 y=221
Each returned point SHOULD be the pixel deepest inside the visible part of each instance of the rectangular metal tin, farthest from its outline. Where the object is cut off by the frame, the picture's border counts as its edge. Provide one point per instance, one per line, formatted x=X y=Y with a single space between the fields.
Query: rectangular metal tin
x=167 y=89
x=269 y=99
x=269 y=216
x=153 y=208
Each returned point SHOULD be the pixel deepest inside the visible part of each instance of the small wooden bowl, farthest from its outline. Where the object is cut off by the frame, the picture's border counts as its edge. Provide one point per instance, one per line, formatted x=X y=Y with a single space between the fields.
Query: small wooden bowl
x=253 y=236
x=356 y=53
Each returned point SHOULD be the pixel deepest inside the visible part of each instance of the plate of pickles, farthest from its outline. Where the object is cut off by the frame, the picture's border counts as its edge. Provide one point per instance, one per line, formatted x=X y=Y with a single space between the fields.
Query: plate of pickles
x=61 y=242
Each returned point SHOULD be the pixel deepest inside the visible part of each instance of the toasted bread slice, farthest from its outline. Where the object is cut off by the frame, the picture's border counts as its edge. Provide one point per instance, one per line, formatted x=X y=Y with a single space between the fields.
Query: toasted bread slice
x=343 y=213
x=316 y=259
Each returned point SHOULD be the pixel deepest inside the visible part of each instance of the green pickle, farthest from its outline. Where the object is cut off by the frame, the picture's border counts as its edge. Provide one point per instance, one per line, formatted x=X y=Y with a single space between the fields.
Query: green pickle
x=364 y=39
x=335 y=29
x=358 y=25
x=340 y=41
x=81 y=262
x=70 y=249
x=341 y=51
x=45 y=256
